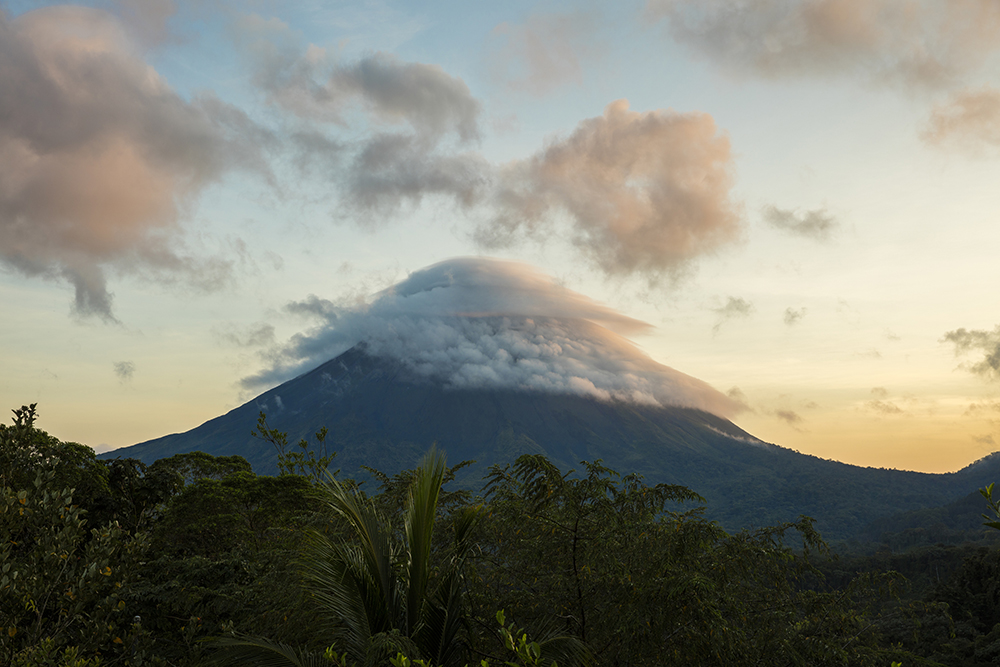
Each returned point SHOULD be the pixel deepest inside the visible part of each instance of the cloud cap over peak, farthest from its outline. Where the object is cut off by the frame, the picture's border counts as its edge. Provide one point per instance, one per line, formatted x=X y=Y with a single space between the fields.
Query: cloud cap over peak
x=479 y=287
x=479 y=323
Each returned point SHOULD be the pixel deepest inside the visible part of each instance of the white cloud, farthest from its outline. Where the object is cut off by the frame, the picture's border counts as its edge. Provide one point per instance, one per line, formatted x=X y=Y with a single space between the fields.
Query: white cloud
x=481 y=323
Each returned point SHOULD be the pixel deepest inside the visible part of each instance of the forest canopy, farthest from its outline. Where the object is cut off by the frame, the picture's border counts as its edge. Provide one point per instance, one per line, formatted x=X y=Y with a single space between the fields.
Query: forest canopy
x=196 y=559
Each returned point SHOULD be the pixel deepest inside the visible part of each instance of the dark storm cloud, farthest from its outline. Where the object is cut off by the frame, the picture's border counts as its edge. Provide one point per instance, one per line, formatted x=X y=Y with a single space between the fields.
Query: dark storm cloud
x=98 y=155
x=977 y=340
x=476 y=322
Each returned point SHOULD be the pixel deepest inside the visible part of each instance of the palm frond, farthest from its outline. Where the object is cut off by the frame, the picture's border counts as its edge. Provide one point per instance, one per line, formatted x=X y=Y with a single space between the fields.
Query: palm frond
x=256 y=652
x=372 y=532
x=421 y=511
x=339 y=584
x=567 y=651
x=558 y=647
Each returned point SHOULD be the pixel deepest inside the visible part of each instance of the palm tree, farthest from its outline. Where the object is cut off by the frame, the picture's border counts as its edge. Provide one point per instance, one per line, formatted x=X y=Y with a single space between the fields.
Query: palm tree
x=380 y=589
x=378 y=586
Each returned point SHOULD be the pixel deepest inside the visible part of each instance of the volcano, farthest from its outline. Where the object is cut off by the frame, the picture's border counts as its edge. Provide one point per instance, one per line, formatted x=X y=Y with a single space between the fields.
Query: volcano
x=380 y=413
x=492 y=359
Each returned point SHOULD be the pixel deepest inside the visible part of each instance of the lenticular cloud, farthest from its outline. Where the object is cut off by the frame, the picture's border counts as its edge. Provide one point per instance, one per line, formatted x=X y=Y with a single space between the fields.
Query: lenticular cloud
x=474 y=323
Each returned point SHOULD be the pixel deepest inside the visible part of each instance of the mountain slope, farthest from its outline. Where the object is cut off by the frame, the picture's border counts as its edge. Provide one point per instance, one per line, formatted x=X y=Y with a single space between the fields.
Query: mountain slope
x=380 y=415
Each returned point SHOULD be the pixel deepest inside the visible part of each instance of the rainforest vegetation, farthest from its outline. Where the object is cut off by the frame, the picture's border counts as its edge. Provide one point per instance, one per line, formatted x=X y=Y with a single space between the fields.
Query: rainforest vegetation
x=196 y=559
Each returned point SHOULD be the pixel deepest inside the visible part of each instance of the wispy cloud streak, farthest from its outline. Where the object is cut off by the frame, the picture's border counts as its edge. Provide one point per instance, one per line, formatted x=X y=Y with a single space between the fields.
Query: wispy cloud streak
x=928 y=43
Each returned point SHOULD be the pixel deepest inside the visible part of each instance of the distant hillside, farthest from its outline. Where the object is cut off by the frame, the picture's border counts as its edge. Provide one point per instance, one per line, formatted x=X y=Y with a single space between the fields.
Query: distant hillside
x=957 y=522
x=380 y=416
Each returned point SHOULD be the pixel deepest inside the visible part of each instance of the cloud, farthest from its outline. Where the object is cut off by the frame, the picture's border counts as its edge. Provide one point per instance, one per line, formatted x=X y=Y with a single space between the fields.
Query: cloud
x=735 y=307
x=793 y=316
x=412 y=124
x=388 y=90
x=880 y=392
x=256 y=335
x=147 y=20
x=978 y=340
x=985 y=440
x=393 y=169
x=815 y=224
x=644 y=193
x=789 y=417
x=98 y=156
x=124 y=370
x=737 y=395
x=544 y=52
x=919 y=42
x=984 y=406
x=884 y=408
x=969 y=120
x=481 y=323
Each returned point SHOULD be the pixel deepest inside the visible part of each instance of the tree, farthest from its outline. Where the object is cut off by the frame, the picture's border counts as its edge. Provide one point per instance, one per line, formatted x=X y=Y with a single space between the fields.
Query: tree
x=63 y=584
x=380 y=588
x=225 y=548
x=618 y=564
x=994 y=508
x=25 y=449
x=383 y=591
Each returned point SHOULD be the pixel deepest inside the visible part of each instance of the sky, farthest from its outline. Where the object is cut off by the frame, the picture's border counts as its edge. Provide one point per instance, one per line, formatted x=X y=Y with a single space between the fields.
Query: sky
x=783 y=211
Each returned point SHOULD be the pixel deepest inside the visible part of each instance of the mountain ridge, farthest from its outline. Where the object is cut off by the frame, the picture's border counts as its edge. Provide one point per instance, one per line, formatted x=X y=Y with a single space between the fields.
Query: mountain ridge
x=381 y=414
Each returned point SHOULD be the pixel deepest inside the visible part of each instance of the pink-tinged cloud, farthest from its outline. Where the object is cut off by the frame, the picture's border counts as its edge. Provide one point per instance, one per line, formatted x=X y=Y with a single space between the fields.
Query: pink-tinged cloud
x=969 y=120
x=924 y=42
x=98 y=156
x=645 y=193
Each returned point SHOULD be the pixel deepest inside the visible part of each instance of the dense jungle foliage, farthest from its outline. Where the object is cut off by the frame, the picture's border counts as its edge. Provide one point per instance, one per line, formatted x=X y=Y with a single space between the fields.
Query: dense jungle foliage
x=195 y=559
